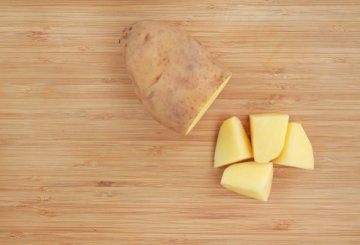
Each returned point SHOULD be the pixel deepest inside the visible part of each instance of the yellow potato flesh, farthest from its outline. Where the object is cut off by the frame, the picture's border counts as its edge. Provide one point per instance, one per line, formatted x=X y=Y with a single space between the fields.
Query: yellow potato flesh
x=297 y=151
x=206 y=106
x=268 y=132
x=249 y=179
x=233 y=145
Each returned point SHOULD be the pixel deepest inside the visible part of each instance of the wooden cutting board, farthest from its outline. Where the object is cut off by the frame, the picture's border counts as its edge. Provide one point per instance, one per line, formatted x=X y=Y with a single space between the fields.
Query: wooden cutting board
x=82 y=162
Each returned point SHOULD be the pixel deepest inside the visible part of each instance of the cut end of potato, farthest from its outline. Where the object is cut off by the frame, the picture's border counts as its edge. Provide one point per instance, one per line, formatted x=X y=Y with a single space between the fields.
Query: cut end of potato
x=297 y=151
x=210 y=101
x=233 y=144
x=249 y=179
x=268 y=132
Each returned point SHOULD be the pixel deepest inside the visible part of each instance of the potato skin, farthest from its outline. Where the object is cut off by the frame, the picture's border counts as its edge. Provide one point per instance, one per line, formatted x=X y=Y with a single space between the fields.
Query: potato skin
x=172 y=73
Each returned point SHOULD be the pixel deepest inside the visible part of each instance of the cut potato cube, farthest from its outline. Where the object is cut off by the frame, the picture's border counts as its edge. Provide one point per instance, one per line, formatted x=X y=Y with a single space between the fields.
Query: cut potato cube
x=233 y=145
x=297 y=151
x=268 y=132
x=249 y=179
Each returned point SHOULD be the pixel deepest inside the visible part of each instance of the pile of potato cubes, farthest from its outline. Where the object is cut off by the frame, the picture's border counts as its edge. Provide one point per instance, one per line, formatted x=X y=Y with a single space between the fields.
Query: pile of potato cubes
x=273 y=140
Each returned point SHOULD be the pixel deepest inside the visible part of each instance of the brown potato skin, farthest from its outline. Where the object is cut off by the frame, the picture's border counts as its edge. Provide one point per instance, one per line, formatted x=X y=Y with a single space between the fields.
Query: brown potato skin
x=172 y=73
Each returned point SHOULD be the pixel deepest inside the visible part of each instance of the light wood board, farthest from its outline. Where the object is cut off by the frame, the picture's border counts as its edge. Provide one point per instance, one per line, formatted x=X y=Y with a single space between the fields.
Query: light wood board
x=82 y=162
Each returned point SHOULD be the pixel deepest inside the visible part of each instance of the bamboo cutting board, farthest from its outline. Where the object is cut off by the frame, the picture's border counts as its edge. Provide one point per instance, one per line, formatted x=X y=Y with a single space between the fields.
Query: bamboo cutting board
x=82 y=162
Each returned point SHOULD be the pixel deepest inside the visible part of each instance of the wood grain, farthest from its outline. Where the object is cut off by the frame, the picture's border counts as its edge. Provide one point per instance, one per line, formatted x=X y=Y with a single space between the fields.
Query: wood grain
x=82 y=162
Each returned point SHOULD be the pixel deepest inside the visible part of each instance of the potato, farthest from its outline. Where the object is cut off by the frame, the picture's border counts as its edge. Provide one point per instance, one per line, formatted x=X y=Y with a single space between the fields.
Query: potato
x=268 y=133
x=249 y=179
x=233 y=144
x=297 y=151
x=173 y=75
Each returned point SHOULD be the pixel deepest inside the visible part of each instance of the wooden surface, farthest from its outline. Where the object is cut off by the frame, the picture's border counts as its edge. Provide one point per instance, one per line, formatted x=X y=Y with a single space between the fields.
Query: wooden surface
x=82 y=162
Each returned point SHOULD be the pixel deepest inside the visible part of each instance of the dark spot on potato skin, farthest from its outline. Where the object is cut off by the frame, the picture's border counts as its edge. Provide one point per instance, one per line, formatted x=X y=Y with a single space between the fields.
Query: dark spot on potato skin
x=187 y=83
x=151 y=95
x=190 y=67
x=216 y=78
x=165 y=60
x=178 y=111
x=157 y=79
x=146 y=38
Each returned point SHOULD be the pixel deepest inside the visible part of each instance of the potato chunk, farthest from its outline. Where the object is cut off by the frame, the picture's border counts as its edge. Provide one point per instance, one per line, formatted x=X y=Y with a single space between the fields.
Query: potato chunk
x=233 y=145
x=297 y=151
x=249 y=179
x=268 y=132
